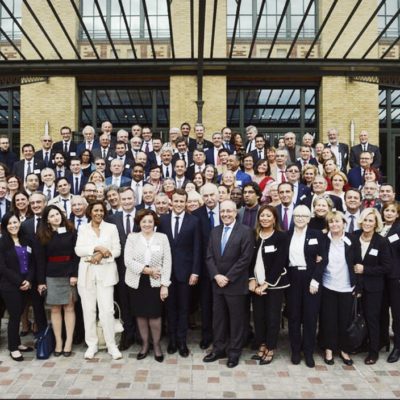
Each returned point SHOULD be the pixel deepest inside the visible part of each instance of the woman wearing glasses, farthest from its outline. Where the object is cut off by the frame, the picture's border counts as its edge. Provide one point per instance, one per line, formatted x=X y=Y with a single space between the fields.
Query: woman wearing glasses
x=306 y=263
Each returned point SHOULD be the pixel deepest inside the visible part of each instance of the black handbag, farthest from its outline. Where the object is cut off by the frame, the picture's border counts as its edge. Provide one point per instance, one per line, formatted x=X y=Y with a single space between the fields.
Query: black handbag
x=357 y=330
x=45 y=344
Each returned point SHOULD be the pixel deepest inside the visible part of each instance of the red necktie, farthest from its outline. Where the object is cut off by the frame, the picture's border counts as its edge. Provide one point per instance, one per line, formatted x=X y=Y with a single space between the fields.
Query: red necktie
x=283 y=176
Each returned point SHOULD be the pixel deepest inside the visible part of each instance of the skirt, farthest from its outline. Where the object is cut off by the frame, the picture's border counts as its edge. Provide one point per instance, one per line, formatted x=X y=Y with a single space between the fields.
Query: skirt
x=59 y=291
x=145 y=300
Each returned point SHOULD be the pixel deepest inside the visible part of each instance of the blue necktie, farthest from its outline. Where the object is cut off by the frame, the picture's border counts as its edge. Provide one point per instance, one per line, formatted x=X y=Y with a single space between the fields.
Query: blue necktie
x=224 y=238
x=78 y=224
x=65 y=205
x=211 y=215
x=46 y=159
x=176 y=229
x=76 y=186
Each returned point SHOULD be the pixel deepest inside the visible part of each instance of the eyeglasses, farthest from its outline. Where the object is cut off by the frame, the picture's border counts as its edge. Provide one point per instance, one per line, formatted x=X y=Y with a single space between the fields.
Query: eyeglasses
x=100 y=163
x=47 y=140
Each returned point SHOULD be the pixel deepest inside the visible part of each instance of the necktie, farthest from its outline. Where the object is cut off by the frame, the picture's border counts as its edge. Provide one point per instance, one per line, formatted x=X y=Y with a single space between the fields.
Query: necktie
x=37 y=223
x=65 y=205
x=147 y=148
x=364 y=147
x=167 y=172
x=176 y=229
x=76 y=186
x=48 y=194
x=285 y=220
x=89 y=146
x=29 y=170
x=182 y=157
x=137 y=192
x=78 y=224
x=178 y=183
x=224 y=238
x=46 y=158
x=65 y=147
x=351 y=226
x=211 y=218
x=283 y=176
x=128 y=224
x=58 y=174
x=260 y=154
x=104 y=153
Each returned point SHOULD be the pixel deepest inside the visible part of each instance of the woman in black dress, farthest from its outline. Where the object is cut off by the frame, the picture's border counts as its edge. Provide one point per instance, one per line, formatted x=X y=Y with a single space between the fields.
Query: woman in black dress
x=148 y=272
x=58 y=273
x=268 y=280
x=16 y=276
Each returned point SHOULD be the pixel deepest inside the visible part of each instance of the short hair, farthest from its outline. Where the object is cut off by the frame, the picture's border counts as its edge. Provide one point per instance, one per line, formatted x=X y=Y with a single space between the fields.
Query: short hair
x=28 y=145
x=91 y=206
x=285 y=183
x=251 y=128
x=145 y=212
x=378 y=218
x=353 y=190
x=223 y=150
x=303 y=209
x=341 y=174
x=65 y=127
x=216 y=133
x=60 y=179
x=90 y=128
x=180 y=140
x=46 y=169
x=255 y=187
x=391 y=203
x=209 y=186
x=187 y=124
x=180 y=192
x=334 y=214
x=193 y=195
x=77 y=197
x=111 y=188
x=326 y=198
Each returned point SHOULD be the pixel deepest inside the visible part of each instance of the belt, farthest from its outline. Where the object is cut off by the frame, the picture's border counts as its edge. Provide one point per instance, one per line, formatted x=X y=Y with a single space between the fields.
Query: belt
x=298 y=267
x=59 y=259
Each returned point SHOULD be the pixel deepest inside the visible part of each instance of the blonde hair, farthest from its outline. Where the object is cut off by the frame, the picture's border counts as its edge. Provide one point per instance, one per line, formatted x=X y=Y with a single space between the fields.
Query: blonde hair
x=378 y=218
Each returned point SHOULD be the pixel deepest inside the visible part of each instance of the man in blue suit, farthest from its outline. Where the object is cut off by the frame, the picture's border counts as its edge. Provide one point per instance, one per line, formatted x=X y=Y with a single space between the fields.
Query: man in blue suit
x=356 y=174
x=233 y=164
x=184 y=235
x=285 y=209
x=89 y=142
x=116 y=178
x=300 y=191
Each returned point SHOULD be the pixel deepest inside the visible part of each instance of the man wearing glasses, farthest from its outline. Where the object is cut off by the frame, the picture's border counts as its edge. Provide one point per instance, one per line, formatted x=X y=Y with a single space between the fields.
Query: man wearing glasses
x=300 y=191
x=101 y=166
x=45 y=154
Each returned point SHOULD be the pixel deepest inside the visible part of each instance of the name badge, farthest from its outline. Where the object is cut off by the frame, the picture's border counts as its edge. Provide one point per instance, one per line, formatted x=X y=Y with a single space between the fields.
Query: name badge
x=269 y=249
x=62 y=229
x=313 y=241
x=127 y=166
x=28 y=249
x=155 y=248
x=110 y=159
x=303 y=197
x=373 y=252
x=36 y=171
x=72 y=153
x=347 y=240
x=239 y=183
x=393 y=238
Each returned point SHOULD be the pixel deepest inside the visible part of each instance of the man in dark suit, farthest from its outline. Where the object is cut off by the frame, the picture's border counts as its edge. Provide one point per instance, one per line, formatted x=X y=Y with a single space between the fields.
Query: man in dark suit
x=247 y=215
x=305 y=157
x=117 y=178
x=185 y=132
x=199 y=143
x=229 y=254
x=60 y=167
x=259 y=153
x=89 y=142
x=126 y=158
x=356 y=174
x=233 y=164
x=208 y=216
x=7 y=157
x=66 y=145
x=4 y=203
x=199 y=164
x=226 y=139
x=180 y=172
x=28 y=164
x=184 y=235
x=355 y=152
x=285 y=209
x=125 y=222
x=77 y=180
x=340 y=150
x=251 y=132
x=183 y=153
x=300 y=191
x=45 y=154
x=212 y=153
x=104 y=151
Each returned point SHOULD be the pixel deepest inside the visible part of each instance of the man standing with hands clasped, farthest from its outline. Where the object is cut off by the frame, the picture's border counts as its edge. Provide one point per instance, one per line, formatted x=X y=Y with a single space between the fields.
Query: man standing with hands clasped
x=229 y=254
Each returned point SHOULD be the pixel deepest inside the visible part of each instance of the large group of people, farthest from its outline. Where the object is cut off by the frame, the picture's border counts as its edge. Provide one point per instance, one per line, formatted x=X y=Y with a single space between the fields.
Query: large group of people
x=242 y=234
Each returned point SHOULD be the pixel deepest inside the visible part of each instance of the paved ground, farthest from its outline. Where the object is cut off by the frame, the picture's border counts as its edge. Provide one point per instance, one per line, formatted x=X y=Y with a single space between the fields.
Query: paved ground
x=191 y=378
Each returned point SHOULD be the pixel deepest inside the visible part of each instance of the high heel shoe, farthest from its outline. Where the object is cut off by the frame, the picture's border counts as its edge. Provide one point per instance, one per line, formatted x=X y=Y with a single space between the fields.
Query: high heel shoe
x=267 y=357
x=141 y=356
x=159 y=358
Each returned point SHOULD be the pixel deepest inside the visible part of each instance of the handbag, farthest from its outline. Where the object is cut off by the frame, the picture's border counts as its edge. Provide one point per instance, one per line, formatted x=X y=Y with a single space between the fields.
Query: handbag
x=45 y=344
x=118 y=329
x=357 y=330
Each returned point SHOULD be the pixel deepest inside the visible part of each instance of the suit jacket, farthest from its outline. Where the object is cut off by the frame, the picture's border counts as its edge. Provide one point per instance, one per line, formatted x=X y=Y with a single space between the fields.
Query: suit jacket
x=10 y=275
x=254 y=154
x=302 y=192
x=349 y=254
x=38 y=156
x=43 y=189
x=355 y=178
x=177 y=156
x=59 y=147
x=82 y=183
x=186 y=248
x=234 y=262
x=135 y=259
x=355 y=153
x=343 y=154
x=19 y=168
x=307 y=201
x=87 y=240
x=82 y=146
x=8 y=158
x=193 y=145
x=393 y=237
x=67 y=173
x=376 y=262
x=314 y=245
x=240 y=216
x=274 y=253
x=312 y=161
x=279 y=211
x=124 y=181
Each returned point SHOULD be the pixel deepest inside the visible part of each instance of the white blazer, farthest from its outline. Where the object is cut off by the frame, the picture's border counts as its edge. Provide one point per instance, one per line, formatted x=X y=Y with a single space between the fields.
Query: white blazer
x=134 y=256
x=106 y=270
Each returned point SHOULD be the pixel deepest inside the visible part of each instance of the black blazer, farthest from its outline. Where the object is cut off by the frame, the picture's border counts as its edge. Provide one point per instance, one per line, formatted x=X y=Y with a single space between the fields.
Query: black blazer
x=343 y=154
x=356 y=151
x=313 y=246
x=274 y=251
x=280 y=217
x=377 y=262
x=82 y=183
x=235 y=261
x=393 y=237
x=349 y=246
x=10 y=275
x=337 y=201
x=58 y=147
x=186 y=248
x=38 y=156
x=19 y=168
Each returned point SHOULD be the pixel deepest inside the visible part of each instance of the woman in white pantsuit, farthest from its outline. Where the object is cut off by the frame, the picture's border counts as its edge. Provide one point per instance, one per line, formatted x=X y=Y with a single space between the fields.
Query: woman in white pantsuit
x=98 y=245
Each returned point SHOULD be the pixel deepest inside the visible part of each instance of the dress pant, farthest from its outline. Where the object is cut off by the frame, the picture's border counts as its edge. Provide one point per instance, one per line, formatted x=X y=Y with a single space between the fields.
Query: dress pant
x=335 y=318
x=229 y=323
x=103 y=296
x=372 y=302
x=267 y=310
x=303 y=309
x=206 y=299
x=178 y=305
x=384 y=320
x=393 y=286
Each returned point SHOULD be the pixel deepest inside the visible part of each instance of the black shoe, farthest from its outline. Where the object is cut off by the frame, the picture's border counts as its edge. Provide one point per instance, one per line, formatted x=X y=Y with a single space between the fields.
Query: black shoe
x=328 y=361
x=211 y=357
x=172 y=347
x=141 y=356
x=19 y=358
x=160 y=358
x=394 y=356
x=371 y=359
x=183 y=350
x=346 y=361
x=57 y=353
x=205 y=344
x=67 y=353
x=232 y=362
x=309 y=359
x=295 y=358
